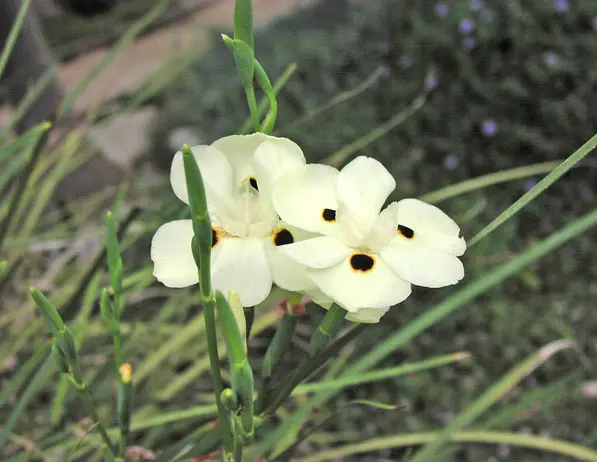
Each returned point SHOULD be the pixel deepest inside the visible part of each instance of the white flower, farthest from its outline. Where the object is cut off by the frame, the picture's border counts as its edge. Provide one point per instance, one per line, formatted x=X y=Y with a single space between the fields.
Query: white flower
x=365 y=260
x=239 y=173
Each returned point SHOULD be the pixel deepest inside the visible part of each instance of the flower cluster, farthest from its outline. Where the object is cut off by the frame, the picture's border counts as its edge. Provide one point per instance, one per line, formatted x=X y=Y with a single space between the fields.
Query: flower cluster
x=307 y=228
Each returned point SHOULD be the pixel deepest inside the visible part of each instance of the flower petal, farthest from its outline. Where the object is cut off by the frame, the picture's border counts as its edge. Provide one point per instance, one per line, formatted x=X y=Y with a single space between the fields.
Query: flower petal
x=318 y=252
x=422 y=265
x=215 y=171
x=363 y=186
x=287 y=273
x=431 y=226
x=353 y=290
x=240 y=264
x=367 y=315
x=319 y=298
x=274 y=158
x=171 y=254
x=306 y=198
x=239 y=150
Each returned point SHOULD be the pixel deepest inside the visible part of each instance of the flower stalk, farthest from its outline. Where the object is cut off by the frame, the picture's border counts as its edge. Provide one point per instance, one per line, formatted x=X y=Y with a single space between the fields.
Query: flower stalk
x=240 y=369
x=67 y=360
x=201 y=248
x=124 y=406
x=327 y=329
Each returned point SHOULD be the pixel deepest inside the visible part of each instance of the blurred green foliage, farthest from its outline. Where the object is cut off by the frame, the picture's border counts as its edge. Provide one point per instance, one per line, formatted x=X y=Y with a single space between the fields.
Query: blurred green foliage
x=515 y=85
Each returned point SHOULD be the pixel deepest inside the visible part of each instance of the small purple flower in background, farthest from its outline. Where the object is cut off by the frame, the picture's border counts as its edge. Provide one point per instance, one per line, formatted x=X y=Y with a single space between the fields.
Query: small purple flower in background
x=430 y=82
x=595 y=23
x=561 y=6
x=550 y=58
x=469 y=42
x=467 y=26
x=441 y=9
x=405 y=61
x=451 y=162
x=475 y=5
x=489 y=127
x=530 y=184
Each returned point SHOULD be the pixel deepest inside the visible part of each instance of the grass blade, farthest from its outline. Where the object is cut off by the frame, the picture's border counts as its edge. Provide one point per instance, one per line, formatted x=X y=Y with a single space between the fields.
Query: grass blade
x=529 y=196
x=430 y=452
x=338 y=99
x=490 y=179
x=13 y=35
x=339 y=158
x=562 y=448
x=382 y=374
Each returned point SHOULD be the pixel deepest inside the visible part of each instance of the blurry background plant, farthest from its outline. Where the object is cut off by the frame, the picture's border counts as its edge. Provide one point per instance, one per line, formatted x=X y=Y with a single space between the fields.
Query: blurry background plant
x=510 y=87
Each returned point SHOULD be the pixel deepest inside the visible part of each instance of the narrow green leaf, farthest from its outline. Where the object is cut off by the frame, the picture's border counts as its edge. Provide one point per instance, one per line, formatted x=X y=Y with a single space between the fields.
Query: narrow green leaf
x=559 y=447
x=26 y=371
x=339 y=158
x=382 y=374
x=336 y=100
x=496 y=392
x=32 y=388
x=22 y=182
x=484 y=181
x=13 y=35
x=529 y=196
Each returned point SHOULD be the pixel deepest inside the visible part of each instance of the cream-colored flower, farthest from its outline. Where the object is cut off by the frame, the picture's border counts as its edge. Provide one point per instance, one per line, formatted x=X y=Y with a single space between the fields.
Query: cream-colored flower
x=239 y=173
x=366 y=260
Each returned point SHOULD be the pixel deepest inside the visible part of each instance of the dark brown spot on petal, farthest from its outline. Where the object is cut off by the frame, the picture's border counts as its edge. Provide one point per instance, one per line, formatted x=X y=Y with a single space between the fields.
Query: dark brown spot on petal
x=362 y=262
x=283 y=237
x=329 y=215
x=214 y=237
x=253 y=183
x=406 y=231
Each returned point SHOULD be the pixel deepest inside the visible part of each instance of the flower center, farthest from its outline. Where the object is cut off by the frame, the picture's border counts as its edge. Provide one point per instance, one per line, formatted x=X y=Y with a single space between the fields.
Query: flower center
x=249 y=215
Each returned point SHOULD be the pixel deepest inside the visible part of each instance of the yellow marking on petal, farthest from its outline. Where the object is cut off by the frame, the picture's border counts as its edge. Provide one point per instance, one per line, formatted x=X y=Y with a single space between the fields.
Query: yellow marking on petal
x=217 y=234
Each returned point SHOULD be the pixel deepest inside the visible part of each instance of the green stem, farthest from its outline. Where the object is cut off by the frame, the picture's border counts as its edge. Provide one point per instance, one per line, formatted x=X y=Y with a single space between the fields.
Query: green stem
x=83 y=392
x=276 y=350
x=327 y=329
x=208 y=302
x=117 y=349
x=306 y=368
x=252 y=101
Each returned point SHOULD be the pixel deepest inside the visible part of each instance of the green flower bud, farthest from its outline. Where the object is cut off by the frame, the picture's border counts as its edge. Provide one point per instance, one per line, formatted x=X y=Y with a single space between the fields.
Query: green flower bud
x=229 y=400
x=60 y=359
x=48 y=311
